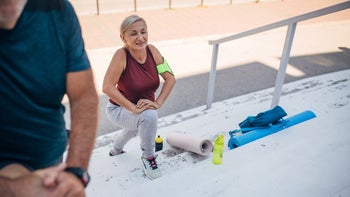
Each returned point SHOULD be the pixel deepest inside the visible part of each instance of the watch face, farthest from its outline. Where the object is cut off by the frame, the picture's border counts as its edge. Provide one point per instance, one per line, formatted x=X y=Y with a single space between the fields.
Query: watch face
x=80 y=173
x=85 y=177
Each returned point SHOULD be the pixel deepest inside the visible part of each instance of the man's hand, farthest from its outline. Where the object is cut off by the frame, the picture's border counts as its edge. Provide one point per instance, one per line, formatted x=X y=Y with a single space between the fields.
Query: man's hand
x=15 y=180
x=61 y=183
x=68 y=185
x=49 y=175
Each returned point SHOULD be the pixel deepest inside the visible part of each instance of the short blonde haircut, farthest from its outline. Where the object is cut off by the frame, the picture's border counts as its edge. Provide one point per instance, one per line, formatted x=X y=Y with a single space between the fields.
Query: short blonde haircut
x=128 y=21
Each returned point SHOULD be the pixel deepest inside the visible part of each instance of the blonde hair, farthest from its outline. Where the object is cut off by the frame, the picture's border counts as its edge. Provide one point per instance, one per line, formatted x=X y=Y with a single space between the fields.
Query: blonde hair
x=128 y=21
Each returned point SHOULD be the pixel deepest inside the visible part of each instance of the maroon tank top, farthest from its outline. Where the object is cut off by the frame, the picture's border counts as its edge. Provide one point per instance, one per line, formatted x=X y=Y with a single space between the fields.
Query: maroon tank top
x=139 y=81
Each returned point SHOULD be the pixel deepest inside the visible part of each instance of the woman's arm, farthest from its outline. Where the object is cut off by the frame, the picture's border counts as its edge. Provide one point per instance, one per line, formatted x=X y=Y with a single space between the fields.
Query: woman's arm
x=169 y=78
x=111 y=78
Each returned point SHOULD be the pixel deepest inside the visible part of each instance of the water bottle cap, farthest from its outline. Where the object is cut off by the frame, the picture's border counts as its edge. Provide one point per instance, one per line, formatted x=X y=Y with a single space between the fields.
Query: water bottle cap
x=220 y=139
x=159 y=139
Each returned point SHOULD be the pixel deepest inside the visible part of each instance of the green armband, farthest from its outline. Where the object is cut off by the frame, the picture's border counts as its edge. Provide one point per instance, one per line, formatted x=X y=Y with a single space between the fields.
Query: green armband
x=162 y=68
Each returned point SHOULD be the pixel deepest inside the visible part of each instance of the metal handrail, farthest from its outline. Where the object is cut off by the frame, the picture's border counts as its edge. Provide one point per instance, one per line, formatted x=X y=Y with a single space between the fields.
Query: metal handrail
x=291 y=23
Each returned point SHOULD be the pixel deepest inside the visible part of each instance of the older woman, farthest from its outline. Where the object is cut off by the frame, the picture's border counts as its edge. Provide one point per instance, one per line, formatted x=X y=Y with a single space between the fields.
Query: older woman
x=131 y=81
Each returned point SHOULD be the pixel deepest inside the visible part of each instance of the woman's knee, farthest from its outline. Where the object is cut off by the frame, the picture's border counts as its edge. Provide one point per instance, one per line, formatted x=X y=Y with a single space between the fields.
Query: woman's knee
x=150 y=116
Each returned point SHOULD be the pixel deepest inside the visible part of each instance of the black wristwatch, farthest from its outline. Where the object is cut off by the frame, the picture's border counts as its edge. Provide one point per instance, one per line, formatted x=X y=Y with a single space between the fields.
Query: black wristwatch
x=80 y=173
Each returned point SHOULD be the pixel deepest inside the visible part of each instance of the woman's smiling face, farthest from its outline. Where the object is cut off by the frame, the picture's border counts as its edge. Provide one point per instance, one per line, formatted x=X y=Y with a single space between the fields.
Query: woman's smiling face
x=136 y=36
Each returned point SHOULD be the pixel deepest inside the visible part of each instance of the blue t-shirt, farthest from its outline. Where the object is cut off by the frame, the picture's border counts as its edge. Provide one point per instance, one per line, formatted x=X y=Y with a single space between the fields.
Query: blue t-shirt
x=35 y=57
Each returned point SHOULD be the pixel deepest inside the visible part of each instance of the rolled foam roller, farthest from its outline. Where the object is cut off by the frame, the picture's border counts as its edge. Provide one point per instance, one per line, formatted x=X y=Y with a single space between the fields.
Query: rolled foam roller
x=189 y=142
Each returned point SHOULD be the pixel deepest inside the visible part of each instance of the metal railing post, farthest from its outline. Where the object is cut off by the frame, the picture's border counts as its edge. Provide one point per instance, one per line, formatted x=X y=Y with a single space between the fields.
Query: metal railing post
x=135 y=7
x=283 y=65
x=212 y=75
x=98 y=7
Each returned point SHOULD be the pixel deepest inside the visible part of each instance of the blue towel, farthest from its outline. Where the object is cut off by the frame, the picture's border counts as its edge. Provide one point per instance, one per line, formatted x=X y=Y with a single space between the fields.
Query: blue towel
x=239 y=140
x=263 y=119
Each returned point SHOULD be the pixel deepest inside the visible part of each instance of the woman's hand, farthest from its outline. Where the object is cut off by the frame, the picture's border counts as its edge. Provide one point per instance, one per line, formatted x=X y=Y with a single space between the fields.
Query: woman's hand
x=148 y=104
x=144 y=104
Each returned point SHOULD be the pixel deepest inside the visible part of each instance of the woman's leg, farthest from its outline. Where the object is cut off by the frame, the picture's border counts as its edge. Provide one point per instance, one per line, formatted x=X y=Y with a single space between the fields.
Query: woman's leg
x=119 y=116
x=122 y=138
x=145 y=123
x=148 y=122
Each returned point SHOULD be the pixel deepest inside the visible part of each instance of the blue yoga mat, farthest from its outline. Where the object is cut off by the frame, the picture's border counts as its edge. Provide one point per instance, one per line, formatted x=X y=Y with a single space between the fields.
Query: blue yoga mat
x=236 y=141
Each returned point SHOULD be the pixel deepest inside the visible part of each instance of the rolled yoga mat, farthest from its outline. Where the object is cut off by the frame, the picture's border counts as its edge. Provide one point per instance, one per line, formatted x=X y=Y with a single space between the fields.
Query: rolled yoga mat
x=190 y=143
x=236 y=141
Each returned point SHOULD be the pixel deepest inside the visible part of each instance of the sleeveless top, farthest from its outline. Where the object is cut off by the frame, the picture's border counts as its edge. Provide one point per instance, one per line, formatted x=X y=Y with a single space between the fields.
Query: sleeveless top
x=139 y=81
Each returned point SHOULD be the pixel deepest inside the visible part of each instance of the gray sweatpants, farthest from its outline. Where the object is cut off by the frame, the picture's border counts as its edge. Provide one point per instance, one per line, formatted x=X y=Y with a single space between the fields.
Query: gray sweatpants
x=144 y=124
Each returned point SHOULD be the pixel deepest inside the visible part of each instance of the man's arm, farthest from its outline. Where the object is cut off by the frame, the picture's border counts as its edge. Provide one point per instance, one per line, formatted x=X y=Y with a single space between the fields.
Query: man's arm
x=83 y=100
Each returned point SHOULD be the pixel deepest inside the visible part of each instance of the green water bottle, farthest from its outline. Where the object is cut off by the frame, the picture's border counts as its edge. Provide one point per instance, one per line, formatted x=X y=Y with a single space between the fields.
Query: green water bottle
x=218 y=150
x=159 y=143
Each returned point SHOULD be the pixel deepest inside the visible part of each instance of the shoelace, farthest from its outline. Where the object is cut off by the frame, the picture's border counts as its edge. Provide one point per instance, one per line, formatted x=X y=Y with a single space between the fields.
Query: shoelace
x=153 y=163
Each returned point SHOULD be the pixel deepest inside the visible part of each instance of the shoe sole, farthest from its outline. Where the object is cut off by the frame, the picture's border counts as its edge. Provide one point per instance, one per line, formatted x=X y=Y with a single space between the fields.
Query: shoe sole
x=111 y=154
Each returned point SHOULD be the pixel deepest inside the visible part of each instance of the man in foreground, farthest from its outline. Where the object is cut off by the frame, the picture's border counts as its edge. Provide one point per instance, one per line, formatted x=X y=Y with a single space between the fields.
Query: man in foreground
x=42 y=58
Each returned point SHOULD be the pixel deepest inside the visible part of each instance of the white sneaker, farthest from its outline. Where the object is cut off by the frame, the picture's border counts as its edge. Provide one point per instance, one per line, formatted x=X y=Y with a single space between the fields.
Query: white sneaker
x=150 y=167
